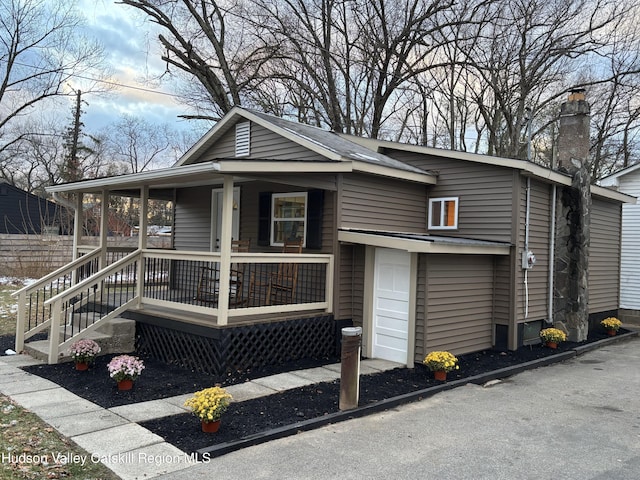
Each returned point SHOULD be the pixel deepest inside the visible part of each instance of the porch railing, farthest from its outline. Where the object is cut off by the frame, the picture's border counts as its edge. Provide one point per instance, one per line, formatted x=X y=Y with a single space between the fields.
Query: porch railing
x=191 y=279
x=76 y=299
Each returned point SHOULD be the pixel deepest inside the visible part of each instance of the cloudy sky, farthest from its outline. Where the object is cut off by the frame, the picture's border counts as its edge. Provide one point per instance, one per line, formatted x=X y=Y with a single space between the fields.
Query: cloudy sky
x=130 y=42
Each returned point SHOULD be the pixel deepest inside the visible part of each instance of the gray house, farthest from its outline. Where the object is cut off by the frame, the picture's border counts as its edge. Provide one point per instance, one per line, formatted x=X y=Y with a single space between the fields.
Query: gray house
x=24 y=213
x=424 y=248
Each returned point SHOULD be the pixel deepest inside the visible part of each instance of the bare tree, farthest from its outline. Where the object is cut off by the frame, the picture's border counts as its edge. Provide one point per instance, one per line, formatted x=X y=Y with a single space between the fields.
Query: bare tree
x=138 y=146
x=206 y=41
x=616 y=111
x=526 y=56
x=40 y=51
x=348 y=59
x=40 y=158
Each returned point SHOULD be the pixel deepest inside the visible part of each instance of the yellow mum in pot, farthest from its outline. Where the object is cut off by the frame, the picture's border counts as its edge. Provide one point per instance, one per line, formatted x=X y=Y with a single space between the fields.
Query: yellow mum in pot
x=209 y=404
x=441 y=361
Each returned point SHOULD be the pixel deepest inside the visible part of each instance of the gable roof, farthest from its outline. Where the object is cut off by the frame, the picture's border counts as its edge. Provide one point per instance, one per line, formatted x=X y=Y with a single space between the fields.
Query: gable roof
x=329 y=145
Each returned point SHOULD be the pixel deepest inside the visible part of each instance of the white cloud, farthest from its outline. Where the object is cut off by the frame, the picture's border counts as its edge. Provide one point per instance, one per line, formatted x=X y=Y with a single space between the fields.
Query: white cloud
x=130 y=42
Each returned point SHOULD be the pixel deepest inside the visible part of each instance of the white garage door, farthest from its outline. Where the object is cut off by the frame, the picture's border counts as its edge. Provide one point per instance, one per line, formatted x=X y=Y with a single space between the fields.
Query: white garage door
x=391 y=305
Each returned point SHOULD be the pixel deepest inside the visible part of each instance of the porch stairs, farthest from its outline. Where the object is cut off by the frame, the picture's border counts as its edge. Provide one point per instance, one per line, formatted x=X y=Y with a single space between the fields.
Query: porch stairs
x=115 y=336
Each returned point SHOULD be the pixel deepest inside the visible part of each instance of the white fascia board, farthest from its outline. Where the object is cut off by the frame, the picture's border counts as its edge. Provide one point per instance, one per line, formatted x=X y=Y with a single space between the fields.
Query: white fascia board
x=136 y=180
x=420 y=246
x=524 y=166
x=261 y=166
x=612 y=195
x=299 y=139
x=205 y=139
x=384 y=171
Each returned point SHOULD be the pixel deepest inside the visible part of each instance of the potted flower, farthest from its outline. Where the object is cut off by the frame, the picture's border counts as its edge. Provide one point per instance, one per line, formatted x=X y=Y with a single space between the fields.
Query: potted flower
x=552 y=336
x=440 y=363
x=83 y=352
x=209 y=405
x=124 y=369
x=611 y=325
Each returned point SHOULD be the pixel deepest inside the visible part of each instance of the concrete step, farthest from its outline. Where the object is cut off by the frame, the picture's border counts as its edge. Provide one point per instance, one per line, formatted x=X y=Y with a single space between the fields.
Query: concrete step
x=115 y=336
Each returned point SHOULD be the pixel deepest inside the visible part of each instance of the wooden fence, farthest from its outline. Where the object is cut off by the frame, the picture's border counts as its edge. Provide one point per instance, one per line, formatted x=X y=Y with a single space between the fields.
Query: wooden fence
x=33 y=256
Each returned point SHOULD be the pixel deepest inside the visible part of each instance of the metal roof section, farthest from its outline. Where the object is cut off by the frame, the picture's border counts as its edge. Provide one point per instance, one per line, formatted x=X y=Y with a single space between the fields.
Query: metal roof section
x=423 y=243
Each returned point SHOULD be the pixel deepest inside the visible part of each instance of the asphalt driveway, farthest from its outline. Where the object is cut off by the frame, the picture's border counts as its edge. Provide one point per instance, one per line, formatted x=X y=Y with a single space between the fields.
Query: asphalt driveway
x=579 y=419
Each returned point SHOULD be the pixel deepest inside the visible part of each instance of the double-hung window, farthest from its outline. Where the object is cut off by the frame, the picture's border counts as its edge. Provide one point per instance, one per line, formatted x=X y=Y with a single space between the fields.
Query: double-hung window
x=443 y=213
x=288 y=217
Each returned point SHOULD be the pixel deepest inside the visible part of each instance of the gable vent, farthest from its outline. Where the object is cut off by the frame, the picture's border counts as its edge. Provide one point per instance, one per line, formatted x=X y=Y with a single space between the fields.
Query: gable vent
x=243 y=139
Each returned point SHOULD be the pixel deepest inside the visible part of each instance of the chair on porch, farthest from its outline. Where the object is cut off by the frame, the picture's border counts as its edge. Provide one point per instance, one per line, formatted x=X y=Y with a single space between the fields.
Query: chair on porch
x=278 y=287
x=209 y=282
x=283 y=283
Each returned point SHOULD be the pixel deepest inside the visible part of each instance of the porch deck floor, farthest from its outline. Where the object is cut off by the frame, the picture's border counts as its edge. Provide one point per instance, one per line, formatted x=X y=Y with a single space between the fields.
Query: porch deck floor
x=108 y=433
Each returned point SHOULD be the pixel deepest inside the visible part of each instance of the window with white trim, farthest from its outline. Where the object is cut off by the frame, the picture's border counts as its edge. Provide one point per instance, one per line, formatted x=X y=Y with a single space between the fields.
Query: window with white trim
x=443 y=213
x=288 y=217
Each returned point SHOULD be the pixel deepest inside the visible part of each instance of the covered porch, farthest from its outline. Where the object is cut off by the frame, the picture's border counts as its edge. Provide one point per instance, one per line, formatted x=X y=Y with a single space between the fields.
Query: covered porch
x=229 y=285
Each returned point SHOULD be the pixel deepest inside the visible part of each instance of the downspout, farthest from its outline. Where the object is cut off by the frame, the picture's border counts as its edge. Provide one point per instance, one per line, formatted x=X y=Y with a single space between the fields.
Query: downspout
x=526 y=248
x=529 y=120
x=552 y=253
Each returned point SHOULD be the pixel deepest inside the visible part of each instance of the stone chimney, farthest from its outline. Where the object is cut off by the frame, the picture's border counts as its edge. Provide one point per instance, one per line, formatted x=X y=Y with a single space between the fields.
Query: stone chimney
x=573 y=220
x=573 y=136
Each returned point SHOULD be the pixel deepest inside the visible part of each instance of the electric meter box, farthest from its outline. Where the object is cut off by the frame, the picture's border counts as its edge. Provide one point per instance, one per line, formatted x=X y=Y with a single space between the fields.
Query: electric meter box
x=528 y=260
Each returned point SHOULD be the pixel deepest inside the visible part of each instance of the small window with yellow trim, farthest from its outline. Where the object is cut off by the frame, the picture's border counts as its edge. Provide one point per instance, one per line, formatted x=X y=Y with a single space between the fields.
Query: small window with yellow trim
x=443 y=213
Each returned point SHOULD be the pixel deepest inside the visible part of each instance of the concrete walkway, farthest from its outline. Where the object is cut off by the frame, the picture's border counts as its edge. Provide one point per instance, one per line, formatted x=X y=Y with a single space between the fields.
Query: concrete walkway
x=113 y=437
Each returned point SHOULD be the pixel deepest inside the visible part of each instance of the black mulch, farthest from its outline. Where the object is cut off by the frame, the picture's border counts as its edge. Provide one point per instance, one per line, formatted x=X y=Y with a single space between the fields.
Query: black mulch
x=254 y=416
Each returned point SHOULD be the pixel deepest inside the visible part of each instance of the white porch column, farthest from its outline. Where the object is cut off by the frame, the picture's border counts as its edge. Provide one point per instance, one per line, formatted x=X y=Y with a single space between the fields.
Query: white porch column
x=144 y=213
x=77 y=225
x=142 y=239
x=225 y=250
x=104 y=228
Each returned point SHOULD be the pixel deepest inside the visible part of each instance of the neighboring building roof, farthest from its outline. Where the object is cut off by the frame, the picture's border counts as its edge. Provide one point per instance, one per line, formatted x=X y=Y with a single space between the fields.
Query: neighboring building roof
x=613 y=180
x=420 y=243
x=22 y=212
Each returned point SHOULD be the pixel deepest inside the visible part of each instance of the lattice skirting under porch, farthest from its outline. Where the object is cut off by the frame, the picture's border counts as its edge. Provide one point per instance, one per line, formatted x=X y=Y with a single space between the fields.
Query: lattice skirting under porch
x=241 y=347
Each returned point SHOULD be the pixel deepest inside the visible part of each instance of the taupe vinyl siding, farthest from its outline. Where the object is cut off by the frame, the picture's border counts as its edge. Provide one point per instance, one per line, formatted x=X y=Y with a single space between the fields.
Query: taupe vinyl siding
x=502 y=300
x=485 y=195
x=459 y=310
x=193 y=216
x=604 y=256
x=264 y=145
x=249 y=193
x=350 y=296
x=421 y=314
x=538 y=276
x=378 y=203
x=192 y=230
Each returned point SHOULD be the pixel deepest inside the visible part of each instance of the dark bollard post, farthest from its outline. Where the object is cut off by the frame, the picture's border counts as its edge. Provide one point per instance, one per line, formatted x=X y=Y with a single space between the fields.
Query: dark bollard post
x=350 y=368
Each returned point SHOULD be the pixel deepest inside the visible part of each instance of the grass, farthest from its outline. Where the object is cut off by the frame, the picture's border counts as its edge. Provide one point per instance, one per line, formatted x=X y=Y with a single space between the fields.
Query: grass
x=29 y=447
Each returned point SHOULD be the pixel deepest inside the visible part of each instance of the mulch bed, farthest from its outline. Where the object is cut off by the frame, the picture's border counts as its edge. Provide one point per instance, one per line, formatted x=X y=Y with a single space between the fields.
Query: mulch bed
x=251 y=417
